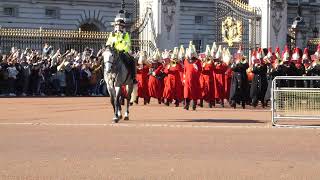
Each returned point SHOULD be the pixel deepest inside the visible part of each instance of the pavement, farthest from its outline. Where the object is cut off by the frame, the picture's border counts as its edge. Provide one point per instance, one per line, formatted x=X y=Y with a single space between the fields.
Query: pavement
x=73 y=138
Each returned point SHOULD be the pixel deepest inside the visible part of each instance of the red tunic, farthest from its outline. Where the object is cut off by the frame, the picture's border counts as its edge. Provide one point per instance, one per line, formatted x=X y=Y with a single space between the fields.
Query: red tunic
x=155 y=85
x=206 y=82
x=219 y=80
x=192 y=72
x=228 y=78
x=172 y=83
x=142 y=78
x=182 y=72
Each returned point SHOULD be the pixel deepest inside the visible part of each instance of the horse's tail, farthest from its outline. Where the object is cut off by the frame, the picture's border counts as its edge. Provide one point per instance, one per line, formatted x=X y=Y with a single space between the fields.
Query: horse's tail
x=134 y=94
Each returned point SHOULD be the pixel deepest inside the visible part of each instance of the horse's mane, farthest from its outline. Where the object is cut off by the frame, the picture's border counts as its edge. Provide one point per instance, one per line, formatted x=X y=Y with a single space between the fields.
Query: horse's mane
x=118 y=62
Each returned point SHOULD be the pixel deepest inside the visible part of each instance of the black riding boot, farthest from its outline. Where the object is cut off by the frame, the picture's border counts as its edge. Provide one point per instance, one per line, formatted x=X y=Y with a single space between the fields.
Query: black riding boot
x=194 y=105
x=201 y=103
x=186 y=104
x=133 y=70
x=131 y=65
x=133 y=74
x=243 y=104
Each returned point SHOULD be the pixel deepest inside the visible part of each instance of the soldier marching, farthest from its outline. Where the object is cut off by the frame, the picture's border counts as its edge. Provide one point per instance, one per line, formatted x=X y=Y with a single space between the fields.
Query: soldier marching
x=215 y=77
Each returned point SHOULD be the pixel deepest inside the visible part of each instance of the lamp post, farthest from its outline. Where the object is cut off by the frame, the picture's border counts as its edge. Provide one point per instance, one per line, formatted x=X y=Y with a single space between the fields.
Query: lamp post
x=299 y=28
x=123 y=5
x=315 y=32
x=315 y=29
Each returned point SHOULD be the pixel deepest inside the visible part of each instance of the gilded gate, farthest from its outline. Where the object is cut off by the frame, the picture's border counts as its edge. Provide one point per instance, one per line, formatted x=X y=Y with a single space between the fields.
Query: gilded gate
x=237 y=23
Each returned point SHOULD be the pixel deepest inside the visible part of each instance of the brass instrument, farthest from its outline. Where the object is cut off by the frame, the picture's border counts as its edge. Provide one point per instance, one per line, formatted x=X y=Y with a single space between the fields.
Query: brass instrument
x=173 y=63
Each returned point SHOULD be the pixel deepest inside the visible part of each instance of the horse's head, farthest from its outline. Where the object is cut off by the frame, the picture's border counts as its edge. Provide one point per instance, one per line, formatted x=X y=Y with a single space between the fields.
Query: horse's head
x=108 y=59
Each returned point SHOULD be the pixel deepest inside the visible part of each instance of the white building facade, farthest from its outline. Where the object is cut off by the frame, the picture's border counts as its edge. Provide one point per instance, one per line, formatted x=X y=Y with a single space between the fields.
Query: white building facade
x=95 y=15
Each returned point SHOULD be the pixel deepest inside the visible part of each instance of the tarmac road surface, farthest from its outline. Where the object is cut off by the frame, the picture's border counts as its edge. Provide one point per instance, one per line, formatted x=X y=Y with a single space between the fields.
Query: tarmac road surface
x=73 y=138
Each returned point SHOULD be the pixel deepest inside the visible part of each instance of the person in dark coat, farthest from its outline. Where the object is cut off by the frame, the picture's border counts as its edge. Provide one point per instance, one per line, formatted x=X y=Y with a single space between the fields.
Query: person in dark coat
x=36 y=75
x=259 y=83
x=25 y=74
x=85 y=75
x=306 y=61
x=300 y=69
x=239 y=81
x=314 y=69
x=288 y=67
x=274 y=69
x=70 y=80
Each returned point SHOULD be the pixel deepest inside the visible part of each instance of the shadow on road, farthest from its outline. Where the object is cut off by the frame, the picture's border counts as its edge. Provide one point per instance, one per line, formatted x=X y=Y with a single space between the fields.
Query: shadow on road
x=221 y=121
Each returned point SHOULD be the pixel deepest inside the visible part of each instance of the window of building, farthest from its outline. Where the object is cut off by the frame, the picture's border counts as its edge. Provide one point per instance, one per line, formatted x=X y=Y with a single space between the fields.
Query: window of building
x=51 y=13
x=198 y=19
x=198 y=44
x=9 y=11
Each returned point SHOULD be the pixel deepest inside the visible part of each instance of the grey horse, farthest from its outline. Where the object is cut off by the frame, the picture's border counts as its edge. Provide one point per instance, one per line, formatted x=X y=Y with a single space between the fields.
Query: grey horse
x=117 y=75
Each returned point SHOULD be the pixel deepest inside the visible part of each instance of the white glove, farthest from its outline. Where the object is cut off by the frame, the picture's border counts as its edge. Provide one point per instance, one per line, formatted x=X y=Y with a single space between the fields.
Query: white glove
x=195 y=66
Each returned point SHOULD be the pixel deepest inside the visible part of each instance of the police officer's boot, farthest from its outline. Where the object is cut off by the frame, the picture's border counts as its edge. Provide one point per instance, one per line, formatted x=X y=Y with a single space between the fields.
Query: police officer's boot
x=133 y=73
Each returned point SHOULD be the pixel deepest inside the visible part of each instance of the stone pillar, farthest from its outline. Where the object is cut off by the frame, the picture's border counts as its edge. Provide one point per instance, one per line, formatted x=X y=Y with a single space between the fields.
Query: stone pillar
x=274 y=26
x=170 y=11
x=165 y=17
x=278 y=23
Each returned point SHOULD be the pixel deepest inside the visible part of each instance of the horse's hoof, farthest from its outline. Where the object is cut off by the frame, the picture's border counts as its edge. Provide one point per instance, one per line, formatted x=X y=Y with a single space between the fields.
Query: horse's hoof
x=120 y=117
x=126 y=118
x=131 y=104
x=115 y=120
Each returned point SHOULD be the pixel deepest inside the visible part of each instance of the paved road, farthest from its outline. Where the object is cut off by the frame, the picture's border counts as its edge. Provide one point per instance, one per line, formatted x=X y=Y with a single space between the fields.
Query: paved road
x=72 y=138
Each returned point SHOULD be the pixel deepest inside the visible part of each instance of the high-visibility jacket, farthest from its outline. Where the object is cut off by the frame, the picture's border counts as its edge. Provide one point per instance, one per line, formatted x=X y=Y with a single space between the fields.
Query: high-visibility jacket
x=120 y=41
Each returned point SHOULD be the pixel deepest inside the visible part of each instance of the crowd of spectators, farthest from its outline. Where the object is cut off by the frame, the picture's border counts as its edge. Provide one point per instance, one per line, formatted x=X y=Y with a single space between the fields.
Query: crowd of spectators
x=50 y=72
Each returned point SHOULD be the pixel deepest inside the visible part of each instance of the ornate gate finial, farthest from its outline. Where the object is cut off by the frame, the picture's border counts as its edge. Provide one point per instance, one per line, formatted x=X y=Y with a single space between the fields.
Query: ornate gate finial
x=123 y=5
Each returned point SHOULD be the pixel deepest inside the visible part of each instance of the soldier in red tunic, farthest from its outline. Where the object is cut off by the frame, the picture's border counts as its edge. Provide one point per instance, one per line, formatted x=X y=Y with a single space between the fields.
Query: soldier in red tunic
x=219 y=71
x=181 y=58
x=192 y=71
x=155 y=84
x=227 y=59
x=173 y=89
x=142 y=78
x=206 y=79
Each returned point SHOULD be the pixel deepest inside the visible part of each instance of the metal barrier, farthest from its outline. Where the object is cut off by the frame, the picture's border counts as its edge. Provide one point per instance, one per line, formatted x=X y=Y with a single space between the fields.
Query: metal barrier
x=295 y=100
x=63 y=39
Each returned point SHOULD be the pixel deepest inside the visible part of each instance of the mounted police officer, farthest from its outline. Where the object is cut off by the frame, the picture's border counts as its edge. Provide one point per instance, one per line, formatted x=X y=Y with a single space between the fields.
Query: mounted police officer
x=120 y=40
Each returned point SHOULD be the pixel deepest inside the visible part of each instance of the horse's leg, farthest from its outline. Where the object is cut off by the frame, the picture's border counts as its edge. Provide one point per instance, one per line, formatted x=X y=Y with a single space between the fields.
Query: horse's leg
x=117 y=104
x=112 y=94
x=121 y=98
x=112 y=103
x=129 y=90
